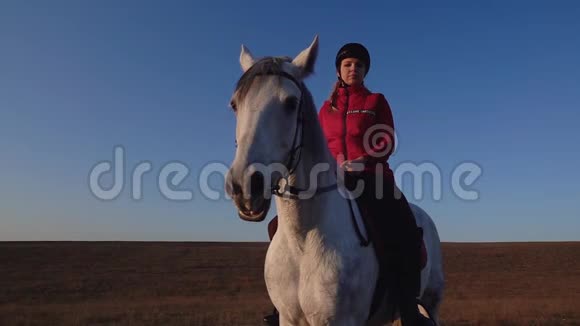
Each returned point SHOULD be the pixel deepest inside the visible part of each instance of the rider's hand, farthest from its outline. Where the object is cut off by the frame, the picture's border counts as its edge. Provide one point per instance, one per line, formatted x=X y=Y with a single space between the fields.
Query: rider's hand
x=355 y=165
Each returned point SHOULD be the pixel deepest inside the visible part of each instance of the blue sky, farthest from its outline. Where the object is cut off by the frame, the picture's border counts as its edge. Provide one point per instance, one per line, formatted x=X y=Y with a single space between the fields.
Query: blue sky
x=494 y=83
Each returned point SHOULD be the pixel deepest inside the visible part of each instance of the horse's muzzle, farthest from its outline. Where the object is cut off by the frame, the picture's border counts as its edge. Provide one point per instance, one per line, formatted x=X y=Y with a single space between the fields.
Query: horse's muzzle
x=252 y=208
x=257 y=212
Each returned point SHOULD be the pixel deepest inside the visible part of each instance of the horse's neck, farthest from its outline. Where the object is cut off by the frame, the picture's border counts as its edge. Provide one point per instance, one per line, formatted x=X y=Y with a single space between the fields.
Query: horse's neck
x=322 y=215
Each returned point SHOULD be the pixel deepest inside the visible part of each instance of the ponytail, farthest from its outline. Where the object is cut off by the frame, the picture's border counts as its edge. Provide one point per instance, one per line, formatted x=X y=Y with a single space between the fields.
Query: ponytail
x=333 y=95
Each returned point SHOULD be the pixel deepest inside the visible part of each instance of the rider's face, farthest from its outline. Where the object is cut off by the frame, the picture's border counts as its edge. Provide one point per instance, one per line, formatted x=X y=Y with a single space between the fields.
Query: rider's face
x=352 y=71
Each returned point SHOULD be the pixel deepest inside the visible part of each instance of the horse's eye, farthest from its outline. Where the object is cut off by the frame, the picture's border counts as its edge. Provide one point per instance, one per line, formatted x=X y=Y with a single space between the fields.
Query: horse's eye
x=291 y=102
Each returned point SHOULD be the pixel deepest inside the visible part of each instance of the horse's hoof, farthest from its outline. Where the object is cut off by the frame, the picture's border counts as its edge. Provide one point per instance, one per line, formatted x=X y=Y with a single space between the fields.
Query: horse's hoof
x=272 y=320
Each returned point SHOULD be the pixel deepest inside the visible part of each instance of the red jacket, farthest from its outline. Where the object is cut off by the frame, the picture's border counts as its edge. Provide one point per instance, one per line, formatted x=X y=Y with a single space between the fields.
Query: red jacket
x=367 y=119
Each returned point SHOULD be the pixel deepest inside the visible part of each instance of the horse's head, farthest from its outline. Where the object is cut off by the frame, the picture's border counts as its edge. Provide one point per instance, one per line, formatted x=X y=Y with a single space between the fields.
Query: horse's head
x=269 y=105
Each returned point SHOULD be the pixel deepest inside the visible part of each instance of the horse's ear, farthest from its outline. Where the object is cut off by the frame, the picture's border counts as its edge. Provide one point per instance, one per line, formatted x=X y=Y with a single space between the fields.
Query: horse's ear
x=246 y=59
x=307 y=58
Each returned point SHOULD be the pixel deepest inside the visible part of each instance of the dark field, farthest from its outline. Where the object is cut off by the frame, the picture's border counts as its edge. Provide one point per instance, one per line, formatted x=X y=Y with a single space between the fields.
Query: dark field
x=141 y=283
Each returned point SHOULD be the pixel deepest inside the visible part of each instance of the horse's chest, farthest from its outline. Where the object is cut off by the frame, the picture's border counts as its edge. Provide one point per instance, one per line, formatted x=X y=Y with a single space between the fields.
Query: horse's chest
x=314 y=283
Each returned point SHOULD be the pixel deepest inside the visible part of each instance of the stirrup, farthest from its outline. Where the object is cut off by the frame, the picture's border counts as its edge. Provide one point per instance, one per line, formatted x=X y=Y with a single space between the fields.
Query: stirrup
x=425 y=314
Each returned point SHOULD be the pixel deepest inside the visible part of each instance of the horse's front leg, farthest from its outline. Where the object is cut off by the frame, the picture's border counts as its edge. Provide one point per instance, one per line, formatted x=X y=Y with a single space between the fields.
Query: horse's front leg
x=284 y=321
x=287 y=322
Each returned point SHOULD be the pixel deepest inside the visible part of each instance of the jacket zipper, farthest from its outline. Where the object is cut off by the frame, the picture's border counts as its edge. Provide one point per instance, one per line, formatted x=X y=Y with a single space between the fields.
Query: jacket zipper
x=344 y=124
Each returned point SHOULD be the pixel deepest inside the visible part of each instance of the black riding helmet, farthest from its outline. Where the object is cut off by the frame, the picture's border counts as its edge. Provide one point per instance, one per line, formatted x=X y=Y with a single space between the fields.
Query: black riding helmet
x=353 y=50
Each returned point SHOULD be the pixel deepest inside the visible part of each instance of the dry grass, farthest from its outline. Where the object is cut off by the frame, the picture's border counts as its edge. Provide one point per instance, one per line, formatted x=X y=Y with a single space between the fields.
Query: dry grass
x=116 y=283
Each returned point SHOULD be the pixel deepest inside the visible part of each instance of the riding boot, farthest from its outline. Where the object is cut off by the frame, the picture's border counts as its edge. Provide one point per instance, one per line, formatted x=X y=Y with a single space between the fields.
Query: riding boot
x=407 y=302
x=410 y=315
x=409 y=286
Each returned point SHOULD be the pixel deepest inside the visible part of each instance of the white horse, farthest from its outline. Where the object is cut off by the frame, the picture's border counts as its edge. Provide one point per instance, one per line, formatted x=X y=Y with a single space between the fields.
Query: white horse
x=316 y=270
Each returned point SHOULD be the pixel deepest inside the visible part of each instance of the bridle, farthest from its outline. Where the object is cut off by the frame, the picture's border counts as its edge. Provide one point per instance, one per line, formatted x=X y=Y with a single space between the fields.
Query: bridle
x=295 y=153
x=294 y=156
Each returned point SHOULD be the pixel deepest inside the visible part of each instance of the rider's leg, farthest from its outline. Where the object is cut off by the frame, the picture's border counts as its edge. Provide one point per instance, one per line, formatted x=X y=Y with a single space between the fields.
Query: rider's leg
x=401 y=227
x=393 y=220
